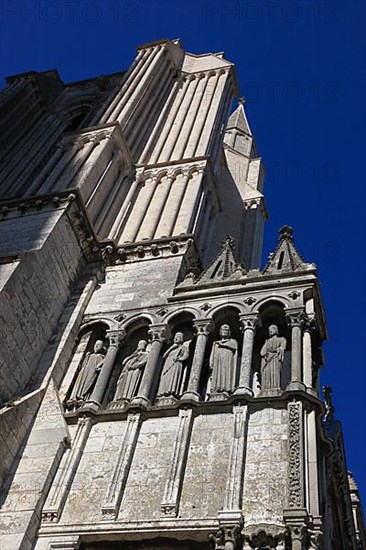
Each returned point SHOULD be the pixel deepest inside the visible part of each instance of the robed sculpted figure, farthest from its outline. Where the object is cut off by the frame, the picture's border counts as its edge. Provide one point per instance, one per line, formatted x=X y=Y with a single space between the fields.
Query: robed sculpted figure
x=173 y=367
x=223 y=361
x=273 y=355
x=88 y=375
x=132 y=368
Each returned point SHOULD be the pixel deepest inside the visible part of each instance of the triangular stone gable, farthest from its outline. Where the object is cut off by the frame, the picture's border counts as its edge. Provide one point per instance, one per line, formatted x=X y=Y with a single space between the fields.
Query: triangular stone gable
x=286 y=257
x=224 y=267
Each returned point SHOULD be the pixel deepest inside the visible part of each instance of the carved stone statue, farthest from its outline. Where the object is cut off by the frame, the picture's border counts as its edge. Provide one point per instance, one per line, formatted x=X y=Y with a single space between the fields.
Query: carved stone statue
x=273 y=355
x=223 y=362
x=172 y=372
x=87 y=376
x=132 y=367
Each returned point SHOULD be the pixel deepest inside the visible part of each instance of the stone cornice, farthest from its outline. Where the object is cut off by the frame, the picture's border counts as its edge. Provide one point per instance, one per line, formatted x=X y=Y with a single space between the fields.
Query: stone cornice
x=203 y=407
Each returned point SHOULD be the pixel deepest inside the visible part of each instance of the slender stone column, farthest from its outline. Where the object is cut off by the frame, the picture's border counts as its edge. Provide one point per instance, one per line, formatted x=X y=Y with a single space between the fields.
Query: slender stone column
x=203 y=328
x=307 y=356
x=249 y=323
x=115 y=337
x=158 y=334
x=295 y=318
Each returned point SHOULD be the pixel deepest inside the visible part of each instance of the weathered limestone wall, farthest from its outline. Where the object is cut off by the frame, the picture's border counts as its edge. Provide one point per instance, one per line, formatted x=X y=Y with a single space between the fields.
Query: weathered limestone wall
x=34 y=294
x=205 y=472
x=207 y=466
x=23 y=492
x=265 y=491
x=135 y=285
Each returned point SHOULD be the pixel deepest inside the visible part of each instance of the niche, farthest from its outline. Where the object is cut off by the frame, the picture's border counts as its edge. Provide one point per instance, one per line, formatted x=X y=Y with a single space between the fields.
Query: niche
x=136 y=332
x=175 y=362
x=226 y=316
x=81 y=371
x=271 y=313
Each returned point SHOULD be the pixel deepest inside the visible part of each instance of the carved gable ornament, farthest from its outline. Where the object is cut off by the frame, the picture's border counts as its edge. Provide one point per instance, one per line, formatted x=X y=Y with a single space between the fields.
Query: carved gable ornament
x=223 y=268
x=286 y=257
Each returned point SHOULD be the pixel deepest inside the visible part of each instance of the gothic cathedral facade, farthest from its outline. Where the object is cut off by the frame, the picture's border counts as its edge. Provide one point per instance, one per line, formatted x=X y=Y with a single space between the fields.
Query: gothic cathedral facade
x=159 y=389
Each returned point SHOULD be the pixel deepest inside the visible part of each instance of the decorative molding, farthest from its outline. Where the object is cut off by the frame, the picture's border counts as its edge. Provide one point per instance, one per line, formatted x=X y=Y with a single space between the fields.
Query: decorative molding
x=147 y=250
x=170 y=502
x=117 y=483
x=295 y=481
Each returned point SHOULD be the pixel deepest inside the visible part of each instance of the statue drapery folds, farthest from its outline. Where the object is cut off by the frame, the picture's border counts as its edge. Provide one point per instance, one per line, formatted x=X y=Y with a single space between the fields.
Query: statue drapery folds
x=223 y=361
x=273 y=355
x=171 y=379
x=132 y=368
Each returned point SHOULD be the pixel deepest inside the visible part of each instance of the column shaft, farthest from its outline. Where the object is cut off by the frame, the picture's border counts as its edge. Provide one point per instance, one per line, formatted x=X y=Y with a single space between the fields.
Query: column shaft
x=157 y=333
x=296 y=319
x=104 y=375
x=203 y=329
x=249 y=323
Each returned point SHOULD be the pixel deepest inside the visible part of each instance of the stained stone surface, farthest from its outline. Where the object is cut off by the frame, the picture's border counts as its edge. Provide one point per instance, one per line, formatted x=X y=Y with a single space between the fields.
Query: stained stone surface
x=265 y=492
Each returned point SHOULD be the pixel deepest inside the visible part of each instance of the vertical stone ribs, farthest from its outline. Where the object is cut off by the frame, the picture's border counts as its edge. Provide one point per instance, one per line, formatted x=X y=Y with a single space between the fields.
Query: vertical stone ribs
x=70 y=461
x=170 y=502
x=117 y=483
x=234 y=485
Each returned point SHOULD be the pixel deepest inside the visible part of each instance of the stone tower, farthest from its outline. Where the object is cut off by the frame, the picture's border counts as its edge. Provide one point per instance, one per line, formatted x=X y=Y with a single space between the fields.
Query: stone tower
x=159 y=389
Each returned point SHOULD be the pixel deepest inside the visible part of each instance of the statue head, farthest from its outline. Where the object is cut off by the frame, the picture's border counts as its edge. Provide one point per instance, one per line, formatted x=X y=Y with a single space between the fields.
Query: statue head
x=225 y=331
x=142 y=345
x=273 y=330
x=98 y=346
x=178 y=338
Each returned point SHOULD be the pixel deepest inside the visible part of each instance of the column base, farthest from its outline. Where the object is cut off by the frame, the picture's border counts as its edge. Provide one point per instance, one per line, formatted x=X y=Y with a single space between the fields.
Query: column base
x=296 y=386
x=218 y=396
x=166 y=401
x=270 y=392
x=244 y=390
x=142 y=402
x=91 y=406
x=190 y=396
x=118 y=405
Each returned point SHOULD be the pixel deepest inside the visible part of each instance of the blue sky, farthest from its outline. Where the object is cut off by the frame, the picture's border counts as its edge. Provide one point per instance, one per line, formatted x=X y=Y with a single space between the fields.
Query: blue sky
x=301 y=66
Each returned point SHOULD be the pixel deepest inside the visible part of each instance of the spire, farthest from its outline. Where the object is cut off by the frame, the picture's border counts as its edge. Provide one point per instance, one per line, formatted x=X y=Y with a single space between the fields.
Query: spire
x=238 y=119
x=286 y=257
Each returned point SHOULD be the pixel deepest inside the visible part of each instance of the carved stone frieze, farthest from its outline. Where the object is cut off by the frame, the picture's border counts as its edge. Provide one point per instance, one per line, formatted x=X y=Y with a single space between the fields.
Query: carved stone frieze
x=295 y=488
x=131 y=252
x=266 y=540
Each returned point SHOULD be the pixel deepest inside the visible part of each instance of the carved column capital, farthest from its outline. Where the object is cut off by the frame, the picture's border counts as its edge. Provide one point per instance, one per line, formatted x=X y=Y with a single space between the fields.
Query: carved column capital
x=310 y=322
x=115 y=337
x=227 y=537
x=159 y=332
x=249 y=321
x=203 y=326
x=295 y=317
